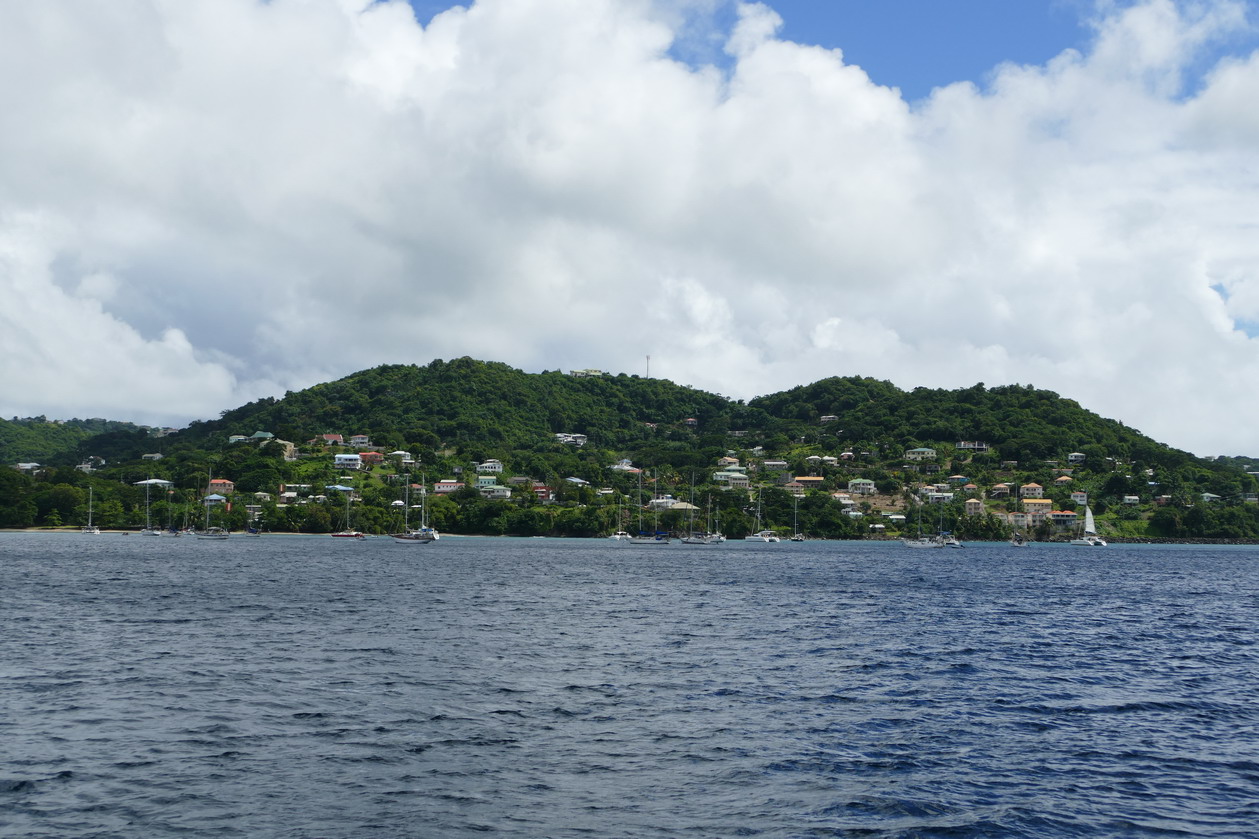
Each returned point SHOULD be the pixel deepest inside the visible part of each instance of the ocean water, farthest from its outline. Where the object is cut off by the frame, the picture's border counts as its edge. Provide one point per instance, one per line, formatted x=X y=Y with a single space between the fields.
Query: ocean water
x=314 y=687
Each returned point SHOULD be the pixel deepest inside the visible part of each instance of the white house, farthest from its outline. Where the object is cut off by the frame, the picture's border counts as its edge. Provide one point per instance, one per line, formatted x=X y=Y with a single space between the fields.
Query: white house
x=920 y=453
x=861 y=486
x=1080 y=497
x=1031 y=491
x=347 y=461
x=490 y=465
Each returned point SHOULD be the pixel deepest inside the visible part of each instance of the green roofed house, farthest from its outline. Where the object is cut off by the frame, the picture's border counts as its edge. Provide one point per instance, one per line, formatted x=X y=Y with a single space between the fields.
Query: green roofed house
x=261 y=435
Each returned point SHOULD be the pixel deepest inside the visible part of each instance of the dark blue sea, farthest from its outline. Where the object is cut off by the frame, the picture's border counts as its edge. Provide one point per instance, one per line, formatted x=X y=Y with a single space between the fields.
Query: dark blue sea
x=316 y=687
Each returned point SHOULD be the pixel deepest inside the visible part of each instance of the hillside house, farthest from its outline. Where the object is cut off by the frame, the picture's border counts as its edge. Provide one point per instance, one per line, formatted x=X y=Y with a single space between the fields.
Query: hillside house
x=1031 y=491
x=222 y=485
x=1042 y=505
x=347 y=461
x=1080 y=497
x=974 y=507
x=861 y=486
x=490 y=466
x=732 y=479
x=920 y=453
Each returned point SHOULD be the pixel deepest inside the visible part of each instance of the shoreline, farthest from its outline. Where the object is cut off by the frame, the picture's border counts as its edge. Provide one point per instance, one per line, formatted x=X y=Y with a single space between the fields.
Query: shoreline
x=1115 y=540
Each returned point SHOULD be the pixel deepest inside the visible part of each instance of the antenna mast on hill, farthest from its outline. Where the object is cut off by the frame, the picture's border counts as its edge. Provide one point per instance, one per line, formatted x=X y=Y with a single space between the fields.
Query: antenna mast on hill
x=649 y=367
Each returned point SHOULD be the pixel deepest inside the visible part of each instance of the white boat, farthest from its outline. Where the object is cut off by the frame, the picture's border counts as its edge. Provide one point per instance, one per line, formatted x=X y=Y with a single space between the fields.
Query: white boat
x=620 y=535
x=948 y=540
x=796 y=535
x=1089 y=538
x=149 y=529
x=760 y=535
x=921 y=541
x=1018 y=540
x=89 y=527
x=211 y=532
x=348 y=532
x=418 y=536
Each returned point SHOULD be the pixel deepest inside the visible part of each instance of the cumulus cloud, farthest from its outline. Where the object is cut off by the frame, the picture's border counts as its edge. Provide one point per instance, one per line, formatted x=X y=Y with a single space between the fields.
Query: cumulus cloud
x=206 y=202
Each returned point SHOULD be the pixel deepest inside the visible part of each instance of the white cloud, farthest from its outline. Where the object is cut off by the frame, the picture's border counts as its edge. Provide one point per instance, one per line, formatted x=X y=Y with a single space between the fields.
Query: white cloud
x=204 y=202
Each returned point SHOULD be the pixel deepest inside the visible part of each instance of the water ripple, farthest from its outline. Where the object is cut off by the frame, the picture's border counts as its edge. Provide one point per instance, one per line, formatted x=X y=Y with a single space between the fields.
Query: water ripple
x=266 y=688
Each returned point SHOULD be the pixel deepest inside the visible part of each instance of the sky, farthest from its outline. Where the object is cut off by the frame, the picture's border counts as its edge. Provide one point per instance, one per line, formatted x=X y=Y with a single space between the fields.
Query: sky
x=205 y=202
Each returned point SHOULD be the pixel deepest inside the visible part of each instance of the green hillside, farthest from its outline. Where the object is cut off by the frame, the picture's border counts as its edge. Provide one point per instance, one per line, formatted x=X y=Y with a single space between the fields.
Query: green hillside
x=40 y=440
x=802 y=448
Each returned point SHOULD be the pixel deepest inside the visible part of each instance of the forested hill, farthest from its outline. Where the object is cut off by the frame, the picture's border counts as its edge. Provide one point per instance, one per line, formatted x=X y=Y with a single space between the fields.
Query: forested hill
x=40 y=440
x=467 y=401
x=1019 y=422
x=464 y=402
x=469 y=405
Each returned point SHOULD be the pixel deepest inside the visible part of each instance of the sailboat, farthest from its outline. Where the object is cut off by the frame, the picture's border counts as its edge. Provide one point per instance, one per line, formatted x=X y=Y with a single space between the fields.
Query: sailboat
x=921 y=541
x=796 y=535
x=761 y=535
x=620 y=535
x=643 y=537
x=424 y=534
x=1089 y=538
x=149 y=529
x=349 y=532
x=211 y=532
x=89 y=527
x=693 y=537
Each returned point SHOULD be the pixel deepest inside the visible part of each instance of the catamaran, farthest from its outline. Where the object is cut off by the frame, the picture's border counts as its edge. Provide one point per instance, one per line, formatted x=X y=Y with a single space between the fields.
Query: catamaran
x=1089 y=538
x=761 y=535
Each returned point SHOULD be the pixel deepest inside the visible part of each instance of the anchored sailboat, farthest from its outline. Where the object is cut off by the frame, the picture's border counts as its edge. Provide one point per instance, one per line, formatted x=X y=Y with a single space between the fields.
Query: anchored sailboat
x=424 y=534
x=89 y=527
